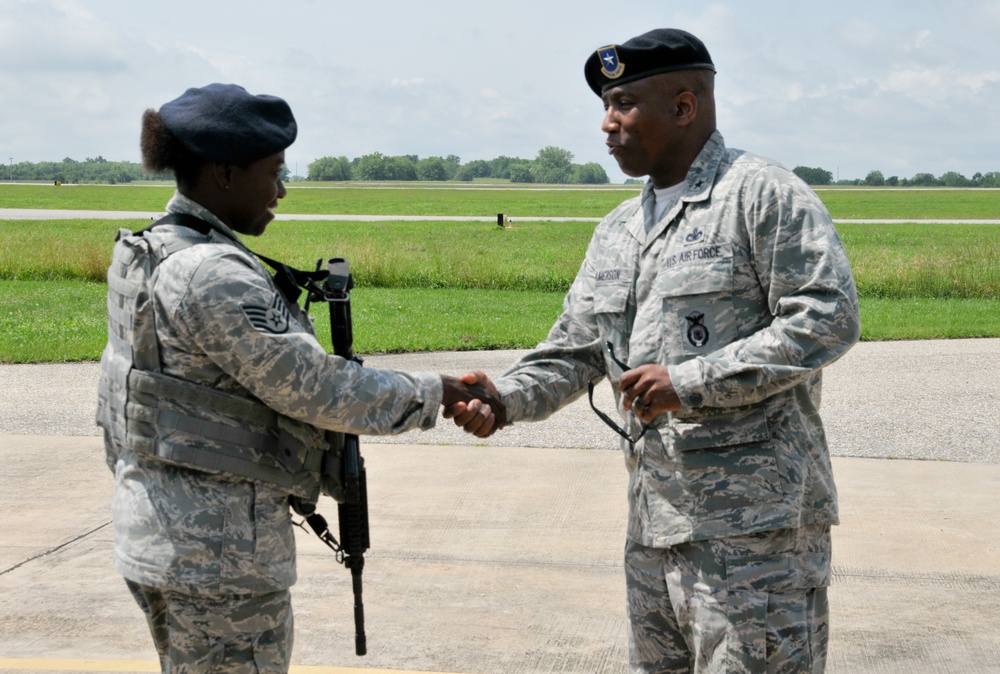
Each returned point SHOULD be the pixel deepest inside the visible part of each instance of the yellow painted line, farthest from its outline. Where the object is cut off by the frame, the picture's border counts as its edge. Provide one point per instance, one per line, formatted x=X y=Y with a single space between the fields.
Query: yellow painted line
x=52 y=664
x=59 y=665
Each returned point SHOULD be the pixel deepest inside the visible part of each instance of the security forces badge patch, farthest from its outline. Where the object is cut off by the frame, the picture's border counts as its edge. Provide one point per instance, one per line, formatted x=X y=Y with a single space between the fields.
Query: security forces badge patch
x=697 y=332
x=274 y=318
x=611 y=67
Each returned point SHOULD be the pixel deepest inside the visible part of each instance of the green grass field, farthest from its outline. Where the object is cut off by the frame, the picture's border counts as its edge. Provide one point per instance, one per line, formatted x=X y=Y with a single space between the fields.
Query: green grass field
x=470 y=285
x=346 y=200
x=523 y=201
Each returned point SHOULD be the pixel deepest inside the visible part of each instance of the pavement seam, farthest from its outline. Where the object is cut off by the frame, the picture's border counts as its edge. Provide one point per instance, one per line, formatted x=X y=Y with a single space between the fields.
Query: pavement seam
x=921 y=577
x=55 y=549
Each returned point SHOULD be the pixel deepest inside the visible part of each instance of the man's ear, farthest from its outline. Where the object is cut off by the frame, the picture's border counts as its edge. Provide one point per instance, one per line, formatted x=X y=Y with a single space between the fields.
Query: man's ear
x=685 y=108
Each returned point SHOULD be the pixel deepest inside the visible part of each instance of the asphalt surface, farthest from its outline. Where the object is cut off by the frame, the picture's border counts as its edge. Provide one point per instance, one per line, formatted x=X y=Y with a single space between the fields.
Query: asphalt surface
x=504 y=555
x=935 y=399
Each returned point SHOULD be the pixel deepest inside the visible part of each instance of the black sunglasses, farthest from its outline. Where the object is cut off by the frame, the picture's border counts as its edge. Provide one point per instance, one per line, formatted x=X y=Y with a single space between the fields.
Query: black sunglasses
x=609 y=347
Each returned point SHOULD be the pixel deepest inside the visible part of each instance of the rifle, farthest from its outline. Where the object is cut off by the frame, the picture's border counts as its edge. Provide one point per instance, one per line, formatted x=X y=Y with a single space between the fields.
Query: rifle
x=353 y=512
x=337 y=283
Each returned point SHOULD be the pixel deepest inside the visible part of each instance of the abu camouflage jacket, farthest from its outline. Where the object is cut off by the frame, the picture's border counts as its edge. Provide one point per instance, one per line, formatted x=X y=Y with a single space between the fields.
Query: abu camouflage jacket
x=743 y=290
x=221 y=323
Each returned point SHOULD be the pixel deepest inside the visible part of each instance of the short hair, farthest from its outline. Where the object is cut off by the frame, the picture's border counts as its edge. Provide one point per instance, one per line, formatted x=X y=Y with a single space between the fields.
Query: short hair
x=700 y=82
x=163 y=153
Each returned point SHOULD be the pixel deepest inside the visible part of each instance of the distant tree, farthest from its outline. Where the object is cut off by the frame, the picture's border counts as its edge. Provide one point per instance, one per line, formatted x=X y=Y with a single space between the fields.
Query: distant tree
x=591 y=173
x=451 y=164
x=875 y=179
x=520 y=172
x=635 y=181
x=432 y=168
x=500 y=166
x=371 y=167
x=892 y=181
x=329 y=168
x=924 y=180
x=954 y=179
x=813 y=176
x=552 y=165
x=477 y=168
x=400 y=168
x=991 y=179
x=976 y=178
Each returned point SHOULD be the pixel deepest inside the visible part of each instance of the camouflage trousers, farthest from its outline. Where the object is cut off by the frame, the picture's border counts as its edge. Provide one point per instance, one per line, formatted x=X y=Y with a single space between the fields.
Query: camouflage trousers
x=740 y=605
x=239 y=634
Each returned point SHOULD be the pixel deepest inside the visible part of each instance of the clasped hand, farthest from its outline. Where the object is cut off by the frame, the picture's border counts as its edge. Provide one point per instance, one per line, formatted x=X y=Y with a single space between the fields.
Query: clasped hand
x=474 y=403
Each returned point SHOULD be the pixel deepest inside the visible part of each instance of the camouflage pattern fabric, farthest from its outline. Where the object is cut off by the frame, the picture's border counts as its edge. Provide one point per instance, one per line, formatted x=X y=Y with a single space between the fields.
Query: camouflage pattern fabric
x=739 y=605
x=221 y=322
x=240 y=634
x=743 y=290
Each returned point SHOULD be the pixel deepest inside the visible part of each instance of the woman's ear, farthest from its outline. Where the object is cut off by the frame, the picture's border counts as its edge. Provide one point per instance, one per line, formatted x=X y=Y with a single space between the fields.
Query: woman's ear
x=222 y=175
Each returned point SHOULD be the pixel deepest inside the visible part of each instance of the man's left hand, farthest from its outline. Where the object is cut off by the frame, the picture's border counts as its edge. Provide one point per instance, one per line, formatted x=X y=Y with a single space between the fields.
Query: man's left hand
x=648 y=389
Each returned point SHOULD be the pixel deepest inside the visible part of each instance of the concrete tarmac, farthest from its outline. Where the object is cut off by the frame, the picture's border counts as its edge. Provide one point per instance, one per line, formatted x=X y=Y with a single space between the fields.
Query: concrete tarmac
x=504 y=555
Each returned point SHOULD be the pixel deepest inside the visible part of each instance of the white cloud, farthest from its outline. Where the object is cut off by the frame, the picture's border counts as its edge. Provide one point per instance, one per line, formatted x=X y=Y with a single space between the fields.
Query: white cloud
x=55 y=37
x=922 y=39
x=409 y=84
x=859 y=85
x=938 y=87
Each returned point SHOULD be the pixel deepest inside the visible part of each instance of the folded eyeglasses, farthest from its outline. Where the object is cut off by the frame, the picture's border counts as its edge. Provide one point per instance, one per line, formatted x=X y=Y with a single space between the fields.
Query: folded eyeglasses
x=609 y=347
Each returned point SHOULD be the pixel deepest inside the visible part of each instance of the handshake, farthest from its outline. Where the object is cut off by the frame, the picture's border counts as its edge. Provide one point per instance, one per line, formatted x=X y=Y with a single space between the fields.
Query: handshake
x=474 y=403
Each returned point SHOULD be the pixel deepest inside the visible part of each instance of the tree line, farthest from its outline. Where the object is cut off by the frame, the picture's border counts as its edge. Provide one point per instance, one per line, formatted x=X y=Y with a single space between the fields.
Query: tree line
x=91 y=170
x=875 y=178
x=551 y=165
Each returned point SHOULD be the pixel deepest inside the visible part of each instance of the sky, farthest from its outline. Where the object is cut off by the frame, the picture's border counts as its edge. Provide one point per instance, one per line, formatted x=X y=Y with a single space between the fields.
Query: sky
x=847 y=86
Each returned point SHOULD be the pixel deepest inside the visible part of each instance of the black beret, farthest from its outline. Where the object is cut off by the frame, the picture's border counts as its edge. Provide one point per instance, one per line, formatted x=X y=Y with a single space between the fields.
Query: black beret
x=223 y=123
x=658 y=51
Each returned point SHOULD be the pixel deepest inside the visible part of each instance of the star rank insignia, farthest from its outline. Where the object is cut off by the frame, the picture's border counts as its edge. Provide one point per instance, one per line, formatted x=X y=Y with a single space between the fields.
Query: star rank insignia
x=274 y=318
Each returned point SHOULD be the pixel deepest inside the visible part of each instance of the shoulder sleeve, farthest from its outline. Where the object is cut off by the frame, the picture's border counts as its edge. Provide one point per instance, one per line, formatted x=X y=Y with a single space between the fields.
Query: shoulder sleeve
x=557 y=371
x=233 y=313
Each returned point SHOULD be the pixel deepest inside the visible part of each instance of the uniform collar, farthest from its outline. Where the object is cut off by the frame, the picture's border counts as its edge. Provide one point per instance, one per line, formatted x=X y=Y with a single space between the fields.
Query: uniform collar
x=187 y=206
x=701 y=175
x=697 y=187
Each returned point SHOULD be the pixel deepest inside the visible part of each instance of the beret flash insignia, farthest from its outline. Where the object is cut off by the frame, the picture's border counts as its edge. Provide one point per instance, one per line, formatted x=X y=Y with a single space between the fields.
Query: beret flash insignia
x=611 y=67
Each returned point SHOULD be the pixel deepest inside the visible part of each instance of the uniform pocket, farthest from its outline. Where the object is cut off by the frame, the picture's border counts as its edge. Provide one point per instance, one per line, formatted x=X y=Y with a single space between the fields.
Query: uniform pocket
x=698 y=308
x=274 y=547
x=710 y=428
x=777 y=612
x=729 y=460
x=610 y=306
x=611 y=298
x=778 y=573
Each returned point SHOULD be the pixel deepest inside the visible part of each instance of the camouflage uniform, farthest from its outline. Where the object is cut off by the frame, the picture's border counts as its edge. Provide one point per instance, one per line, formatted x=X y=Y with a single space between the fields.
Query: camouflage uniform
x=189 y=542
x=743 y=290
